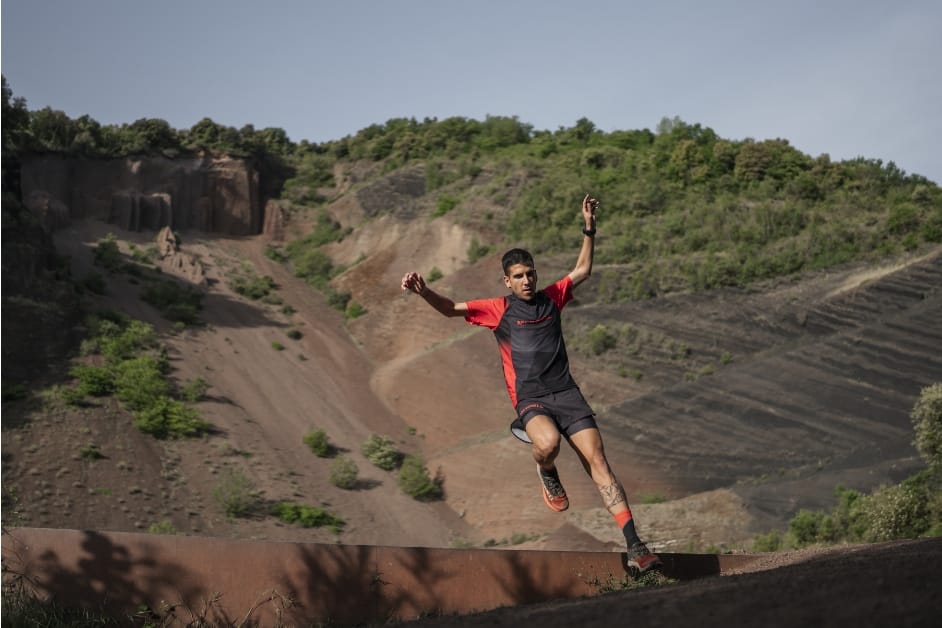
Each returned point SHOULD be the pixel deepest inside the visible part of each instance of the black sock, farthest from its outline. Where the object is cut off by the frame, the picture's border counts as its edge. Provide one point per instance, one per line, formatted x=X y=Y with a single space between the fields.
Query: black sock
x=631 y=536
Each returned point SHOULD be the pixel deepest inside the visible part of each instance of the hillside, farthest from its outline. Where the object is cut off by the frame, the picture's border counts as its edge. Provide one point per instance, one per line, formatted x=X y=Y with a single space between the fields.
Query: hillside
x=820 y=376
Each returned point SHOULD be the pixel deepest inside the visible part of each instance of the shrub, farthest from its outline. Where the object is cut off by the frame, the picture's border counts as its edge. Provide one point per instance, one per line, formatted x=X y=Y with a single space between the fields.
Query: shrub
x=355 y=310
x=139 y=382
x=294 y=334
x=318 y=443
x=235 y=494
x=899 y=511
x=277 y=346
x=255 y=287
x=601 y=339
x=107 y=254
x=164 y=526
x=174 y=301
x=169 y=418
x=344 y=473
x=806 y=526
x=91 y=452
x=927 y=424
x=476 y=250
x=434 y=275
x=380 y=451
x=445 y=204
x=307 y=516
x=414 y=480
x=771 y=542
x=97 y=381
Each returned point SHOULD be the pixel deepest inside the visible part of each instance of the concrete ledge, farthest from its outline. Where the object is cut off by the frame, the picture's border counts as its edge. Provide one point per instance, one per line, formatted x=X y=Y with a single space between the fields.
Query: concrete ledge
x=119 y=572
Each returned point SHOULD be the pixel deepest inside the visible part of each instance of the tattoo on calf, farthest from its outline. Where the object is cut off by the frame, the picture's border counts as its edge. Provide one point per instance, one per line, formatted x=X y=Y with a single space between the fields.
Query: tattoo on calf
x=613 y=494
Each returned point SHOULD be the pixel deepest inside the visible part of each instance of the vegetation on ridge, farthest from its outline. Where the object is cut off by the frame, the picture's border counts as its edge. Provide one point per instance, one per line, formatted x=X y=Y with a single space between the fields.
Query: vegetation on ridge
x=682 y=208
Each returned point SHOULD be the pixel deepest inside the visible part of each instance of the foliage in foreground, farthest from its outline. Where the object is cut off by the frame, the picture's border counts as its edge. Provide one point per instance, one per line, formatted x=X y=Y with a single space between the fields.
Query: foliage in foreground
x=910 y=509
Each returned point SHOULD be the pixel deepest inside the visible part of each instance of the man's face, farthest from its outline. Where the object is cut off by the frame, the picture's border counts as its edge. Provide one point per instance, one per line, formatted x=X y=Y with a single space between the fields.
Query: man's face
x=521 y=279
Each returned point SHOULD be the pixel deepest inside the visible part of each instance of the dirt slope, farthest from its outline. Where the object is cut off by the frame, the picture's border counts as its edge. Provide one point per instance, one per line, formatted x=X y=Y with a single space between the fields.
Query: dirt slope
x=817 y=390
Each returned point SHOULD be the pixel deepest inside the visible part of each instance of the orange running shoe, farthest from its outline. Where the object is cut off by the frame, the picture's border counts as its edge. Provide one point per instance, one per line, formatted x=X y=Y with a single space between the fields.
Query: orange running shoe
x=641 y=559
x=553 y=492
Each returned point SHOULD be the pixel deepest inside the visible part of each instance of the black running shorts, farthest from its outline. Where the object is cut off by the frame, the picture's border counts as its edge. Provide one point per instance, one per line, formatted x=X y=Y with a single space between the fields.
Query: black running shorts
x=568 y=409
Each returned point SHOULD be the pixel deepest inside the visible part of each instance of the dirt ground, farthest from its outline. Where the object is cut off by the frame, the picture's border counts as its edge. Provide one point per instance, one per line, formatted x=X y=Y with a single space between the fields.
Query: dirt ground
x=890 y=584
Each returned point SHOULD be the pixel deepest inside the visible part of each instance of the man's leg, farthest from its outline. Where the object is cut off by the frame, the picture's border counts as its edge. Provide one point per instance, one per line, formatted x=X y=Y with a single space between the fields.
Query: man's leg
x=587 y=444
x=546 y=439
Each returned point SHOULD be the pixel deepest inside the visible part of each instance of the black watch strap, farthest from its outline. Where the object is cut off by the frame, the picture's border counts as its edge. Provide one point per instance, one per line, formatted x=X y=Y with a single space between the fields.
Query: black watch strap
x=589 y=232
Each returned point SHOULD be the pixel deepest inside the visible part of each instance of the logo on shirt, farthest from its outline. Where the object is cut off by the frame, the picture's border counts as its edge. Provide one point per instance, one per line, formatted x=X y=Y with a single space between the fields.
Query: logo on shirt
x=521 y=323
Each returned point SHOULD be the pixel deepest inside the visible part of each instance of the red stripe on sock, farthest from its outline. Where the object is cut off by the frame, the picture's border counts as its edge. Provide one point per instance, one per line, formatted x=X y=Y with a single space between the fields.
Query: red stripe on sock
x=622 y=518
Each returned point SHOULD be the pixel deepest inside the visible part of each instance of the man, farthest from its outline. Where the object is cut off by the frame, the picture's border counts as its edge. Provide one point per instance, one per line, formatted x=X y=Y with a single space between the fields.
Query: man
x=548 y=402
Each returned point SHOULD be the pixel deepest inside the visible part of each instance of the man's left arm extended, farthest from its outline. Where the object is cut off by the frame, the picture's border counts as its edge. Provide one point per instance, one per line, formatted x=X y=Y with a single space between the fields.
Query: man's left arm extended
x=583 y=266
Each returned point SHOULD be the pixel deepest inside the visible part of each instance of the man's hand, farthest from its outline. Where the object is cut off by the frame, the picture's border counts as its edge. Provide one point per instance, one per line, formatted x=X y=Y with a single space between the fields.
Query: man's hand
x=414 y=282
x=589 y=205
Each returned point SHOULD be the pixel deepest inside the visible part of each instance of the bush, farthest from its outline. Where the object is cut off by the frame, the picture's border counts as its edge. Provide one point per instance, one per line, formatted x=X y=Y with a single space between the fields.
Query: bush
x=175 y=302
x=927 y=424
x=318 y=443
x=169 y=418
x=380 y=451
x=476 y=250
x=344 y=473
x=601 y=339
x=164 y=526
x=355 y=310
x=235 y=494
x=107 y=254
x=307 y=516
x=294 y=334
x=97 y=381
x=139 y=382
x=255 y=287
x=434 y=275
x=414 y=480
x=899 y=511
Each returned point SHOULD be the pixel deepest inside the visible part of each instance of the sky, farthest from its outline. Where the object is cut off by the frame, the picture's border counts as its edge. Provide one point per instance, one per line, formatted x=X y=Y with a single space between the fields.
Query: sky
x=849 y=78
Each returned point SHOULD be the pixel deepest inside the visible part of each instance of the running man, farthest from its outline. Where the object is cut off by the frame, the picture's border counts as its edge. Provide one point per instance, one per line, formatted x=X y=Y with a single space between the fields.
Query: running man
x=549 y=405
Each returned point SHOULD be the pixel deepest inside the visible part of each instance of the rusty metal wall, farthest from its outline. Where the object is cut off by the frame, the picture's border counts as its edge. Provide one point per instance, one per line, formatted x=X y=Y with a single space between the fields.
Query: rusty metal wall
x=226 y=580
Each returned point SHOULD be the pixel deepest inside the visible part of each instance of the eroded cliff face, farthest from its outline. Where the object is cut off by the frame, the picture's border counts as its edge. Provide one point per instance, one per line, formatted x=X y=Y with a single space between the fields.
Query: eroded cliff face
x=216 y=195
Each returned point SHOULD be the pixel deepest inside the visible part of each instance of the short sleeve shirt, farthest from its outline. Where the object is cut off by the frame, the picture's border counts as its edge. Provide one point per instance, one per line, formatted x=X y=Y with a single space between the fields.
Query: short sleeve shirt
x=530 y=339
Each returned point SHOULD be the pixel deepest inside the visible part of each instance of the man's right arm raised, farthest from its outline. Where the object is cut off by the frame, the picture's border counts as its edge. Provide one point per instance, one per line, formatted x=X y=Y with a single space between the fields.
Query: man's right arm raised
x=414 y=282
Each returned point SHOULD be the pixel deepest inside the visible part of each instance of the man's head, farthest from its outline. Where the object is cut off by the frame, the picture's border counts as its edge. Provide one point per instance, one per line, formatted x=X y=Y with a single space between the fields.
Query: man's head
x=519 y=273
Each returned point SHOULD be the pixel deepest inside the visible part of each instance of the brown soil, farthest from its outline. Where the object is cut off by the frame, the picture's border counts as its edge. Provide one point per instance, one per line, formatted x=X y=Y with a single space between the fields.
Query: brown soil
x=816 y=392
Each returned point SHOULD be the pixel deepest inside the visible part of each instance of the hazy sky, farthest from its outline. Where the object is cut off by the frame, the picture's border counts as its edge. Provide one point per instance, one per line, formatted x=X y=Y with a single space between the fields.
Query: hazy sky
x=845 y=77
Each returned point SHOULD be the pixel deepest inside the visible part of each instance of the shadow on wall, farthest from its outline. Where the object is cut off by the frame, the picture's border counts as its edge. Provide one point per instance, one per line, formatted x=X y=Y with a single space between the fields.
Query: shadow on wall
x=238 y=582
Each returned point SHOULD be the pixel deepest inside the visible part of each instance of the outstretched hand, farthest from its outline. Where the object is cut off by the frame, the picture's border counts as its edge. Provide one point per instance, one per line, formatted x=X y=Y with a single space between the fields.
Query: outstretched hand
x=589 y=205
x=414 y=282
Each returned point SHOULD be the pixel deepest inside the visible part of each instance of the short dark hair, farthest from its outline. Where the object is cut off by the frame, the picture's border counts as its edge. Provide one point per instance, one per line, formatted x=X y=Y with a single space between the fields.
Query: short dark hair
x=515 y=256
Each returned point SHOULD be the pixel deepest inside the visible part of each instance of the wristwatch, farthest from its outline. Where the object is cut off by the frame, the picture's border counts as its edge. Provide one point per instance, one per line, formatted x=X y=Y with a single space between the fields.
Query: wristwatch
x=589 y=232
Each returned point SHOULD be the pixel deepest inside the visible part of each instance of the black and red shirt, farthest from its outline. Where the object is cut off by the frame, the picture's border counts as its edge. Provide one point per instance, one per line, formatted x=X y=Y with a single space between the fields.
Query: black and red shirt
x=530 y=338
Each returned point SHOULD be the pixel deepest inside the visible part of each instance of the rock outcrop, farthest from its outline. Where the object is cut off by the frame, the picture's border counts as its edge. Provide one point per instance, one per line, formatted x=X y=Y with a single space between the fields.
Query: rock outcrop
x=215 y=195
